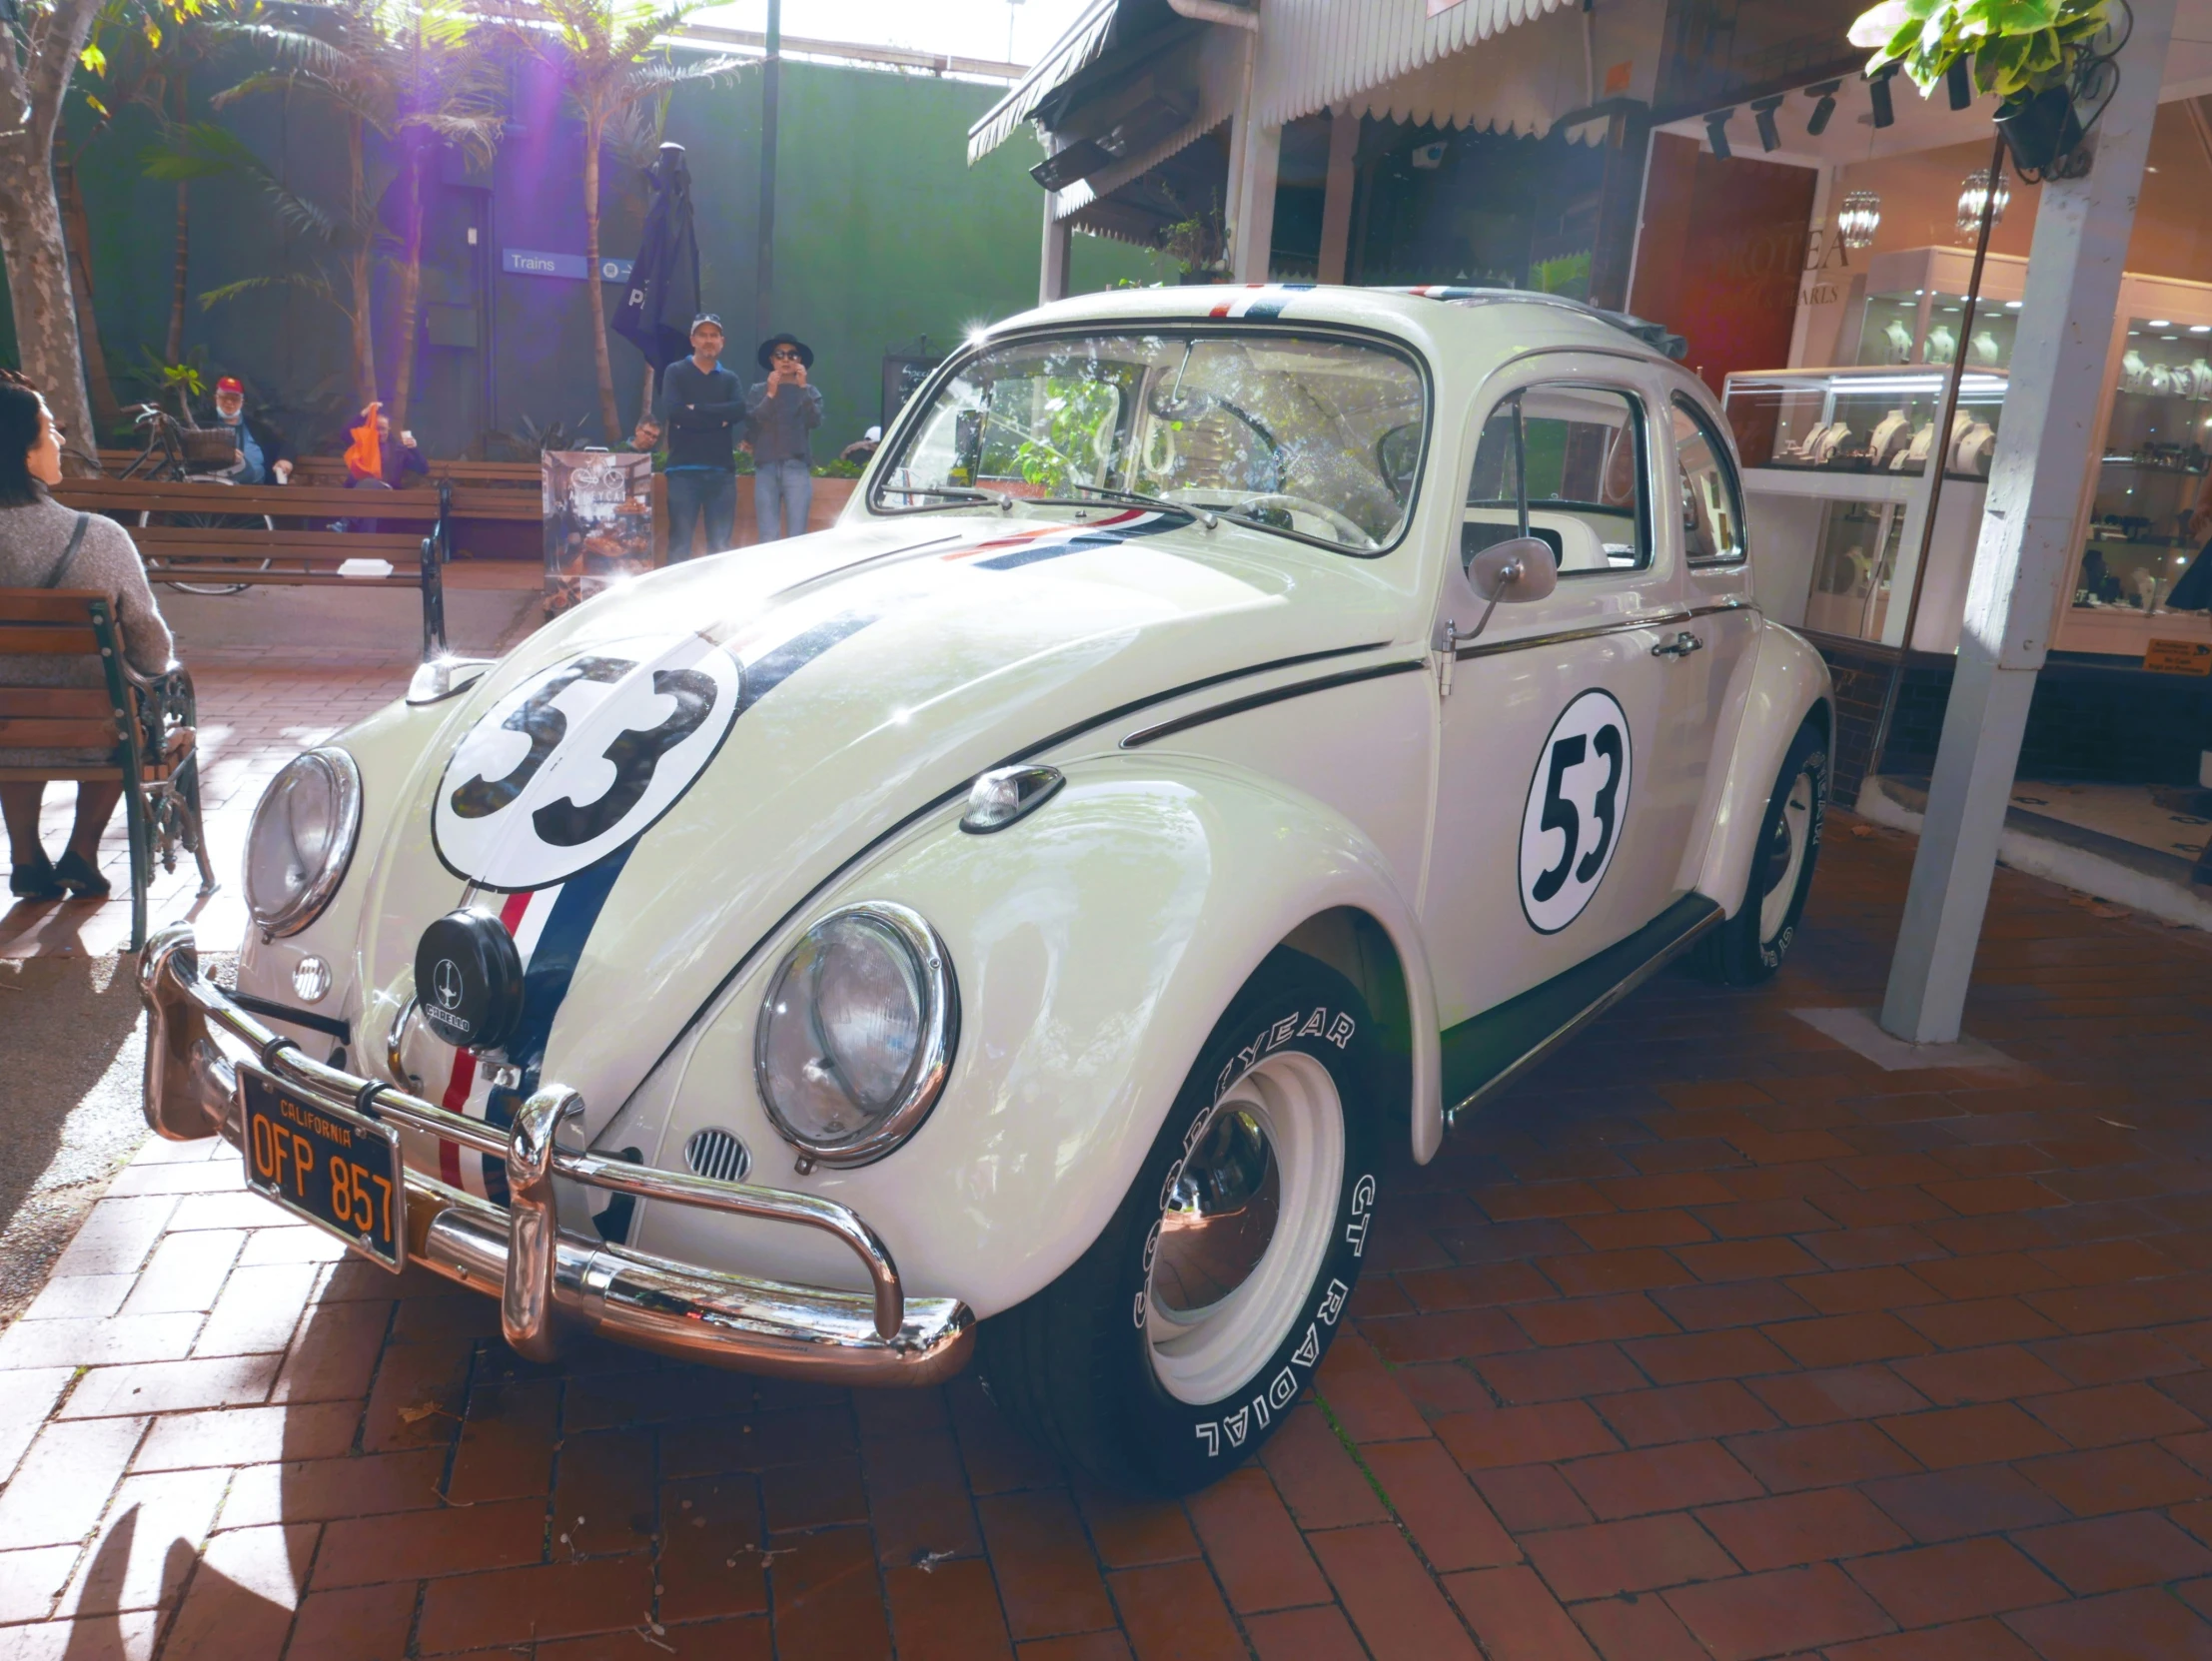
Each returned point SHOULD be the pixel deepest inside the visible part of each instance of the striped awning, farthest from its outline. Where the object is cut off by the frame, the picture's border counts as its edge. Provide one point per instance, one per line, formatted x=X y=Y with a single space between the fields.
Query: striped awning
x=1518 y=82
x=1073 y=53
x=1316 y=53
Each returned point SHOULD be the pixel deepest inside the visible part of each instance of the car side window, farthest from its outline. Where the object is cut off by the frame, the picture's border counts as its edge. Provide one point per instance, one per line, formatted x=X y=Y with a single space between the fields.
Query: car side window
x=1566 y=465
x=1713 y=502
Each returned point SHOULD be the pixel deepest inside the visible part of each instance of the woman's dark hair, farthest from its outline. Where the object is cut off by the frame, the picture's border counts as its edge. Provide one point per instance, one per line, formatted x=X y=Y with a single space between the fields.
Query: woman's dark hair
x=19 y=431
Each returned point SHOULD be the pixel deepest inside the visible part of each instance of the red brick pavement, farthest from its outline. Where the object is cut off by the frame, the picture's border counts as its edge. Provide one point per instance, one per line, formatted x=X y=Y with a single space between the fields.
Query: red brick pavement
x=1713 y=1341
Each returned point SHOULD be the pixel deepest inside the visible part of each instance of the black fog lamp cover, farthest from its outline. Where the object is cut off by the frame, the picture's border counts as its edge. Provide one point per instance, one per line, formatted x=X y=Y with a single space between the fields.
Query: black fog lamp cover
x=468 y=980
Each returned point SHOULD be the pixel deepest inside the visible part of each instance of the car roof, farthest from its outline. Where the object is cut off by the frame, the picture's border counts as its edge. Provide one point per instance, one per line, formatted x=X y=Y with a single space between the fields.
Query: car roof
x=1453 y=325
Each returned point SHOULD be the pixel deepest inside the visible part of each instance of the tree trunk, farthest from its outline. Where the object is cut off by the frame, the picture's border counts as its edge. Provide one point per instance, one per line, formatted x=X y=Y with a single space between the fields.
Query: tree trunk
x=180 y=287
x=360 y=266
x=410 y=284
x=610 y=422
x=77 y=232
x=31 y=241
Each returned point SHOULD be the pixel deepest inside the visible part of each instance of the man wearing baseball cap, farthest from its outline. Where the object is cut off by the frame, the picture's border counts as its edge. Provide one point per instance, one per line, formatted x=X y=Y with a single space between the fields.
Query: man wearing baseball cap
x=258 y=461
x=703 y=410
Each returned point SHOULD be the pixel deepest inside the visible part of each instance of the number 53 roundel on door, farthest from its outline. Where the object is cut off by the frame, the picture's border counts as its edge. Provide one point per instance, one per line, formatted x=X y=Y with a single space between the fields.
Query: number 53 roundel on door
x=1578 y=801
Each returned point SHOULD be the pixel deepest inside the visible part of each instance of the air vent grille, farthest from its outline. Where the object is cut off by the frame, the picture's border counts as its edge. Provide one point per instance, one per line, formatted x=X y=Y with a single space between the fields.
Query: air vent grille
x=717 y=1154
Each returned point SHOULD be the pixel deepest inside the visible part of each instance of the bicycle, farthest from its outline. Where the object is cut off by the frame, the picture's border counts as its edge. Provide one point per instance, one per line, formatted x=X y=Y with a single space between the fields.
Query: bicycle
x=173 y=454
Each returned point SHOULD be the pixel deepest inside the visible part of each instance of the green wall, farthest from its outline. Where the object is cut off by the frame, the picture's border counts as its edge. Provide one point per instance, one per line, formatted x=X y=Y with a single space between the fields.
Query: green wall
x=884 y=235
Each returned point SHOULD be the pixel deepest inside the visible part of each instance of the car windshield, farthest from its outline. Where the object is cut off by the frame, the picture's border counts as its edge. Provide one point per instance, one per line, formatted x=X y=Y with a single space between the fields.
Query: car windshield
x=1310 y=434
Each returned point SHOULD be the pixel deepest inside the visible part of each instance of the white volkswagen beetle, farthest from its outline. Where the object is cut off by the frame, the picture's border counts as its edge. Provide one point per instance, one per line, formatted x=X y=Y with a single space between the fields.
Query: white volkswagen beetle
x=1228 y=729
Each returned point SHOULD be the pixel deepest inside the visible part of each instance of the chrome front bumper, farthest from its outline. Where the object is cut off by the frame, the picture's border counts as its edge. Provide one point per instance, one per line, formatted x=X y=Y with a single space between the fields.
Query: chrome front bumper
x=552 y=1283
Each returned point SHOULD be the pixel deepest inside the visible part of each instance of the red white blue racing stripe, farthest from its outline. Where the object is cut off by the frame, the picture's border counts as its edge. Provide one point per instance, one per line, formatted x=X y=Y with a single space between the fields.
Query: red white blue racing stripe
x=1266 y=301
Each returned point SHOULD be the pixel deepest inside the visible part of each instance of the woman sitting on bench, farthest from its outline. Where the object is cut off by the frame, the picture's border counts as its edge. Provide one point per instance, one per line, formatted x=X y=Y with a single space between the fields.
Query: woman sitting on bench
x=46 y=545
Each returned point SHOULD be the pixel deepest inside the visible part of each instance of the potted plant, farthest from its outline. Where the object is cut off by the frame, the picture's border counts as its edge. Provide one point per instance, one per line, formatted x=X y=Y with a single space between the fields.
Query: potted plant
x=1198 y=243
x=2040 y=57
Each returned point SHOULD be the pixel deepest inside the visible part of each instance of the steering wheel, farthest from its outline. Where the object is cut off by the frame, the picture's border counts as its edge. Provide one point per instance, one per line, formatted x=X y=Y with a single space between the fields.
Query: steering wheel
x=1321 y=510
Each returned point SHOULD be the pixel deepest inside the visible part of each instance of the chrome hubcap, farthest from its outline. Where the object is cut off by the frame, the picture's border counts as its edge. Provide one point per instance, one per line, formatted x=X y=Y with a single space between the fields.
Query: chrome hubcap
x=1783 y=859
x=1219 y=1218
x=1245 y=1226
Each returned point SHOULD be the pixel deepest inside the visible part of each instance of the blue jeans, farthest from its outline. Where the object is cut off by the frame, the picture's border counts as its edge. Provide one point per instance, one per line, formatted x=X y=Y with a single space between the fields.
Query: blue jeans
x=782 y=491
x=713 y=494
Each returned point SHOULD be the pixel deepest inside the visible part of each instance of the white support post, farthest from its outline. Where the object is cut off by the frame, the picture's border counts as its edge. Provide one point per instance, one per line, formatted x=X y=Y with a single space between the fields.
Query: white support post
x=2026 y=549
x=1336 y=199
x=1255 y=160
x=1052 y=267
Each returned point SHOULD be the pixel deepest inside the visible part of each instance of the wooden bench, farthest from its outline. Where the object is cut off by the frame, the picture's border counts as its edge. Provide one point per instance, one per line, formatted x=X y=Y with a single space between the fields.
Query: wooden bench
x=525 y=476
x=294 y=546
x=147 y=726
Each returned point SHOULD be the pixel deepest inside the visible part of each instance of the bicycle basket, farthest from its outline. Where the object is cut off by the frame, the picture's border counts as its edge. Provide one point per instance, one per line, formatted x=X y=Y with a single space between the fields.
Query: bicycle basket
x=207 y=446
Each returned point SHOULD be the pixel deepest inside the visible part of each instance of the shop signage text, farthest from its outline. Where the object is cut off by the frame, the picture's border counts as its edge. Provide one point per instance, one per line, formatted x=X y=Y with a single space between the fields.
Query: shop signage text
x=2178 y=657
x=530 y=262
x=1824 y=251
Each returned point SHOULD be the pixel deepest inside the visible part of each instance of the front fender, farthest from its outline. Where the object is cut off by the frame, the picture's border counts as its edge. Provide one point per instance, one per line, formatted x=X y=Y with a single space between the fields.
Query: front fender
x=1095 y=943
x=1790 y=681
x=387 y=747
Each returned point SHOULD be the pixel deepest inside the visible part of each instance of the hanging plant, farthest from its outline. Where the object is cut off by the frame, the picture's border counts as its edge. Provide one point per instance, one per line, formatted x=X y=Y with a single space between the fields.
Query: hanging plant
x=2046 y=60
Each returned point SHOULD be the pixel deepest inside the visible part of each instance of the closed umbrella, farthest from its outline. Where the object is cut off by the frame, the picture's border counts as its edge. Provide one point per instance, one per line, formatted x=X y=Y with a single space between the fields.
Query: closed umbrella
x=664 y=295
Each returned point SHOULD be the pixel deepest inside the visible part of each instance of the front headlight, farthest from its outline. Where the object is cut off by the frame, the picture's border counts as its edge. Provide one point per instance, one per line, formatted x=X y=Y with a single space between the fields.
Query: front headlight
x=302 y=835
x=857 y=1034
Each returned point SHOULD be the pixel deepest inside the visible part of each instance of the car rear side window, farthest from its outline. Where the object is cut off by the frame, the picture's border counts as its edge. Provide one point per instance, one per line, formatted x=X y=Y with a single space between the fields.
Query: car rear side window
x=1713 y=504
x=1567 y=462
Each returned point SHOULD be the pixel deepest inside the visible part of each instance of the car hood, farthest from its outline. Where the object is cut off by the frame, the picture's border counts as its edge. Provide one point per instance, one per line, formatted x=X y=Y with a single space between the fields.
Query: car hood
x=843 y=682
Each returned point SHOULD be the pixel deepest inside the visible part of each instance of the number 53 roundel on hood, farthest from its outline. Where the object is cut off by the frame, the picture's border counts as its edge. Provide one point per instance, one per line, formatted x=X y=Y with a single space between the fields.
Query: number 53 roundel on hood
x=582 y=758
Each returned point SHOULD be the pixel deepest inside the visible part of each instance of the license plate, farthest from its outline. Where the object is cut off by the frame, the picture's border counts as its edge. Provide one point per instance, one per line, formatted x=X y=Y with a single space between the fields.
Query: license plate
x=336 y=1168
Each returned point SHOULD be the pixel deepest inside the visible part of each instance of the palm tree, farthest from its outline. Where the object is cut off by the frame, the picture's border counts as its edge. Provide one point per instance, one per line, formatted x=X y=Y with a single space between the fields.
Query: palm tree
x=414 y=74
x=614 y=57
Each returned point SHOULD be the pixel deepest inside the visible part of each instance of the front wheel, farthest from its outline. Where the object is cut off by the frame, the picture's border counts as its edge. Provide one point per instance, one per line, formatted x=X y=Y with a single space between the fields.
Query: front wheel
x=1169 y=1351
x=1750 y=945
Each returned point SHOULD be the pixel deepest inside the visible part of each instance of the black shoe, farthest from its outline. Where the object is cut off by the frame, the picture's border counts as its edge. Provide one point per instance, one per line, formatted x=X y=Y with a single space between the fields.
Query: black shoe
x=35 y=882
x=82 y=880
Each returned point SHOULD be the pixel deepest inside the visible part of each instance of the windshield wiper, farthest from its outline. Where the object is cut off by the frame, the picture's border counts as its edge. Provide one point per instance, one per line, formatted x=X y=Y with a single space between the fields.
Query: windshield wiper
x=956 y=496
x=1137 y=499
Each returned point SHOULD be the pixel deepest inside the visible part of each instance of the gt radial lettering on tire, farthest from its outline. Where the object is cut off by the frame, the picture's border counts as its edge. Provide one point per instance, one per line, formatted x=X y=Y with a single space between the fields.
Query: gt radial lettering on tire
x=1578 y=801
x=581 y=759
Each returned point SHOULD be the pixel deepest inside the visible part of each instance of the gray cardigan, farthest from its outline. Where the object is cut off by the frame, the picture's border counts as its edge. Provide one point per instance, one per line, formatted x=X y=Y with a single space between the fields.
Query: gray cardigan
x=31 y=541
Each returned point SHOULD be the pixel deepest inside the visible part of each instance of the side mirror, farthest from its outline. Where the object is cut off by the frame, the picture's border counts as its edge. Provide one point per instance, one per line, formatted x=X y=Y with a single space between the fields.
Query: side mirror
x=1514 y=572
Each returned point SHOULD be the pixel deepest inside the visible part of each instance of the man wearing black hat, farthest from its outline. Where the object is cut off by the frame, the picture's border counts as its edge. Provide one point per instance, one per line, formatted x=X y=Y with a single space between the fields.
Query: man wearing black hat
x=782 y=411
x=701 y=411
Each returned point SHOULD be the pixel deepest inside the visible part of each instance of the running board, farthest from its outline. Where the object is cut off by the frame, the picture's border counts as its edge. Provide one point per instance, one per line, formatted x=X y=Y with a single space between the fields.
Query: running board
x=1481 y=1056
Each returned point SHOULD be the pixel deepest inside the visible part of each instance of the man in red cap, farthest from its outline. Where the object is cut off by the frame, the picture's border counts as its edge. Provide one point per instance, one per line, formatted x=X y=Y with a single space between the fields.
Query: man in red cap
x=258 y=461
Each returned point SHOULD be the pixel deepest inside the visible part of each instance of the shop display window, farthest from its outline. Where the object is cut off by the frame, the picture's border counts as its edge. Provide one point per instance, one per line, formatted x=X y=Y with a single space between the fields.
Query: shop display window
x=1854 y=568
x=1866 y=419
x=2153 y=466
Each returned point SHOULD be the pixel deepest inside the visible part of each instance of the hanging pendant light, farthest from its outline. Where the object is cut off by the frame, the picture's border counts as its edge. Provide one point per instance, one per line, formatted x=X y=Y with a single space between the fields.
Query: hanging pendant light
x=1859 y=219
x=1973 y=194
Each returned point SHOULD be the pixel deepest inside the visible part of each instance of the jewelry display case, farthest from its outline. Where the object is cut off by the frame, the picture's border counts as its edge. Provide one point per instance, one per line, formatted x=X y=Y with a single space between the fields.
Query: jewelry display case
x=1862 y=419
x=1915 y=308
x=1835 y=477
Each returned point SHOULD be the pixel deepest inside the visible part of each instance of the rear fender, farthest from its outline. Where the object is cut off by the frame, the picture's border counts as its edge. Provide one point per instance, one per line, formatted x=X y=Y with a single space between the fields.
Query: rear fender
x=1789 y=683
x=1095 y=944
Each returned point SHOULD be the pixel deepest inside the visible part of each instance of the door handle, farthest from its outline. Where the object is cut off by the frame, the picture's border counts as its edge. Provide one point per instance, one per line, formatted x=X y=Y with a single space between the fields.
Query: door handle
x=1680 y=646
